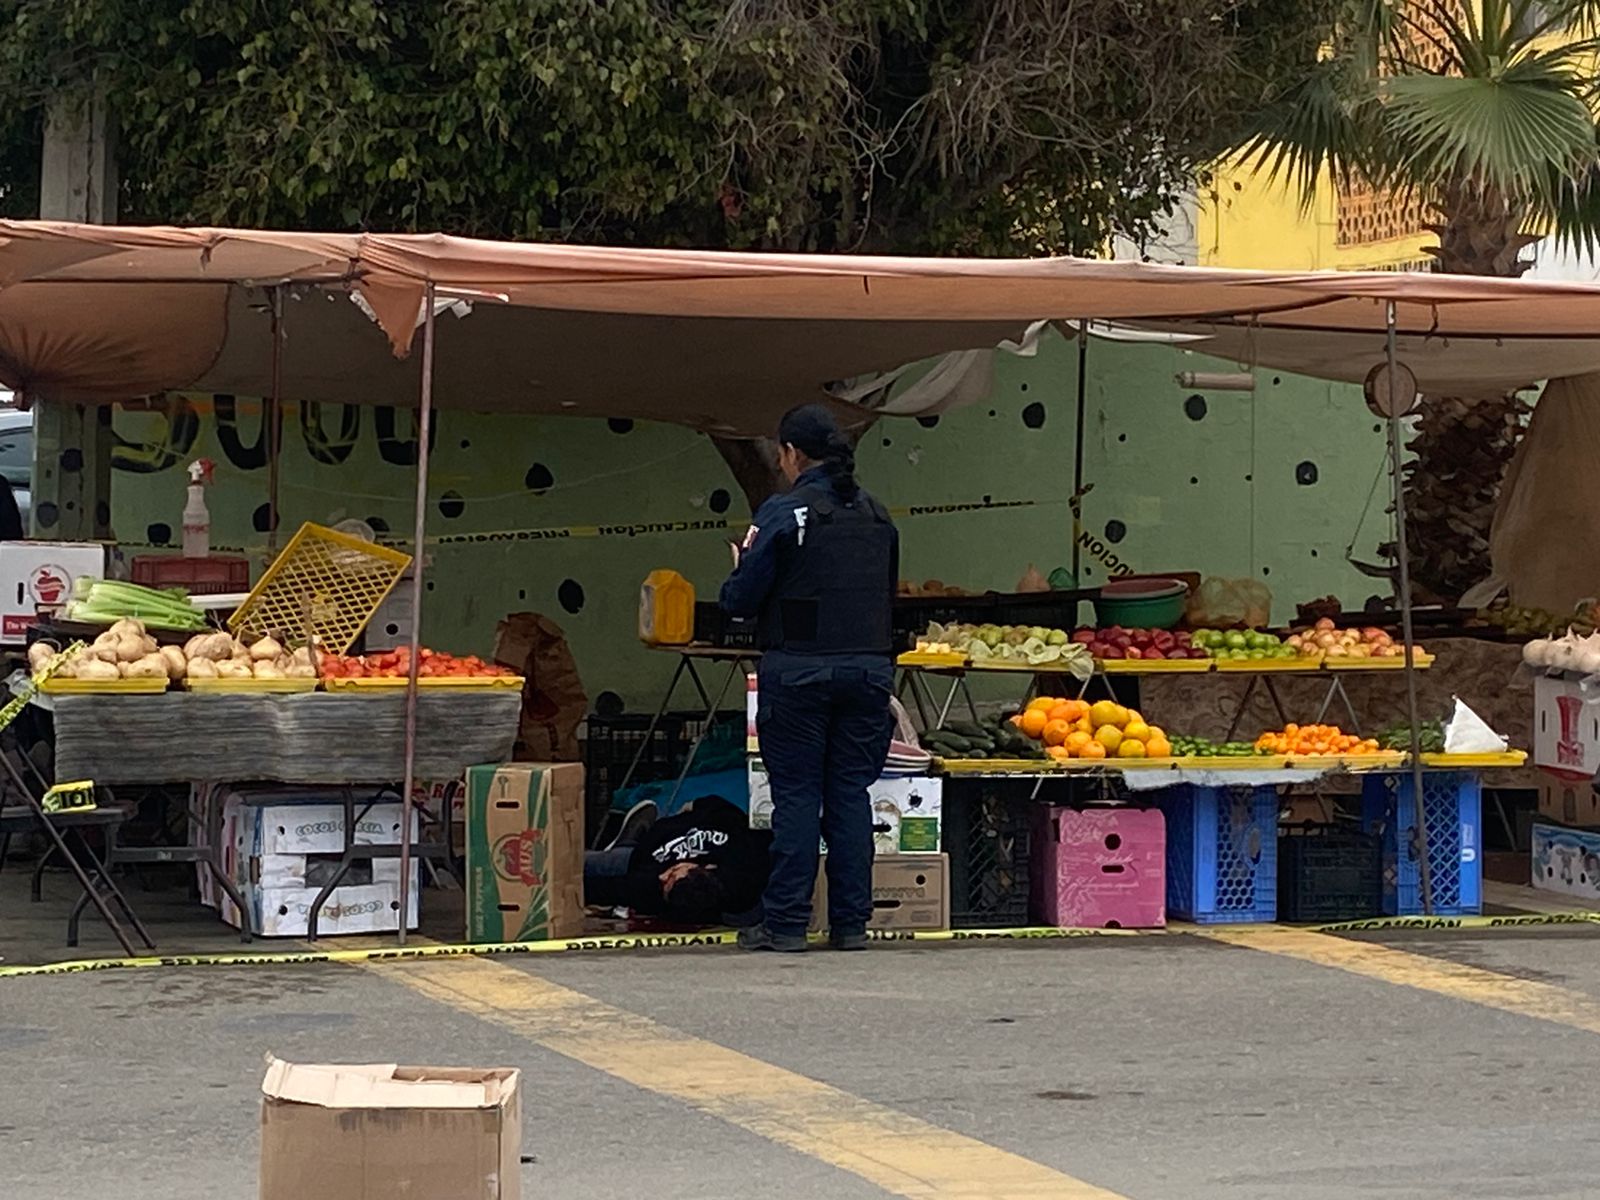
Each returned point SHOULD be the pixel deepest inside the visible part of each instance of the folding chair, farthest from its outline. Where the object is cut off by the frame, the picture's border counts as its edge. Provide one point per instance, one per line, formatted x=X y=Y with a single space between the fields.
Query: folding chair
x=63 y=830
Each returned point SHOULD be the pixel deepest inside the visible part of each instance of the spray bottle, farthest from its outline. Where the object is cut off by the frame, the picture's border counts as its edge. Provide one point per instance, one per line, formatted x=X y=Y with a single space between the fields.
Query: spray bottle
x=196 y=516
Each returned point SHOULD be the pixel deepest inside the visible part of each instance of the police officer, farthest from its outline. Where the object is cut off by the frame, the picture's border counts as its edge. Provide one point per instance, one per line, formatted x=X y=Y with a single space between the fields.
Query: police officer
x=818 y=568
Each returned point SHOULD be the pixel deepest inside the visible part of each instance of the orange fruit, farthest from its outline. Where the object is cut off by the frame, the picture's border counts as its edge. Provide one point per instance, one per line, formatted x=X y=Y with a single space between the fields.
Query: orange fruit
x=1110 y=737
x=1058 y=753
x=1092 y=750
x=1077 y=740
x=1108 y=712
x=1080 y=708
x=1137 y=730
x=1034 y=722
x=1042 y=703
x=1055 y=732
x=1158 y=746
x=1130 y=748
x=1061 y=711
x=1085 y=723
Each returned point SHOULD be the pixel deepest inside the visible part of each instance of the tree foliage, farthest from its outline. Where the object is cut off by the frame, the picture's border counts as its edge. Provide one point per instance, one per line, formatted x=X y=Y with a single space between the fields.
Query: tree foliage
x=916 y=126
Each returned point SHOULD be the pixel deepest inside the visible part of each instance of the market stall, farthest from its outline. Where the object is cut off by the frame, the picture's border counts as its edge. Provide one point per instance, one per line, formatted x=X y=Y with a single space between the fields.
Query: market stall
x=722 y=342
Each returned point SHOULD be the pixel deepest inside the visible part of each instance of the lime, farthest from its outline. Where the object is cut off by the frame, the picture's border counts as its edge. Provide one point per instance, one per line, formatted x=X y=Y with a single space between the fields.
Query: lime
x=1235 y=640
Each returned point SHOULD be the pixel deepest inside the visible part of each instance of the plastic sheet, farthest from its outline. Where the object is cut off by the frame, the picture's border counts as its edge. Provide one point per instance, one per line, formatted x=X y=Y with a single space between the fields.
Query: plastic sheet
x=278 y=739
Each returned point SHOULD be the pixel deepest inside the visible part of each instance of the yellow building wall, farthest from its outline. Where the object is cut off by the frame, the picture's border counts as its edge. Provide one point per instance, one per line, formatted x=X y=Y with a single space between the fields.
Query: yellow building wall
x=1245 y=219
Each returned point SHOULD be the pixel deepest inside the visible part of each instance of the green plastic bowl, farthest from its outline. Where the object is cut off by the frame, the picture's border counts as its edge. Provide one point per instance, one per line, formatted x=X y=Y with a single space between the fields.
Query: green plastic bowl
x=1142 y=604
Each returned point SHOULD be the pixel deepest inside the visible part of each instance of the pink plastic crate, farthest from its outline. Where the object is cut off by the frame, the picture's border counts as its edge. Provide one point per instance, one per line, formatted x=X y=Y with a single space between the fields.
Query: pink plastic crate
x=1101 y=868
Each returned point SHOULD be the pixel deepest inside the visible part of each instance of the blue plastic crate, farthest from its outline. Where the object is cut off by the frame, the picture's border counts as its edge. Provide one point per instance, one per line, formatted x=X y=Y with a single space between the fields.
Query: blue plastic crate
x=1453 y=802
x=1222 y=853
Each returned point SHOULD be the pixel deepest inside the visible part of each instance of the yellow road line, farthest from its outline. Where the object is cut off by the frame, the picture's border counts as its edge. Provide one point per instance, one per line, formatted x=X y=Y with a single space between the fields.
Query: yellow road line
x=1525 y=997
x=897 y=1152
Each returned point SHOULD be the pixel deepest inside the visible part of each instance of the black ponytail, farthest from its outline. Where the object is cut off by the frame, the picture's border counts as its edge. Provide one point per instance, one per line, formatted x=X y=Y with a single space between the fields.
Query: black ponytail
x=812 y=430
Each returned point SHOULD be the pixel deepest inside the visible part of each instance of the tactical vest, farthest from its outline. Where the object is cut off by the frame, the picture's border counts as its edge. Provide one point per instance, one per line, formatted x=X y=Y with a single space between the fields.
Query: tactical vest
x=834 y=587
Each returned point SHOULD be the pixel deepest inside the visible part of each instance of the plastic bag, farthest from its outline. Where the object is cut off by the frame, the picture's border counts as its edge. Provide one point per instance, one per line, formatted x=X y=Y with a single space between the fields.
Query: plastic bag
x=1466 y=733
x=1225 y=602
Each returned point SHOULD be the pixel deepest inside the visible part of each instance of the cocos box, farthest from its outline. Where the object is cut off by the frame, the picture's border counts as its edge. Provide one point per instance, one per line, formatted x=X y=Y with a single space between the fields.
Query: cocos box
x=524 y=852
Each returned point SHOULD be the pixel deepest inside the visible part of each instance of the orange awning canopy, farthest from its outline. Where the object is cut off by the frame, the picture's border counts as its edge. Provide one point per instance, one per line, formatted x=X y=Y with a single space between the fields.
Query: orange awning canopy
x=723 y=342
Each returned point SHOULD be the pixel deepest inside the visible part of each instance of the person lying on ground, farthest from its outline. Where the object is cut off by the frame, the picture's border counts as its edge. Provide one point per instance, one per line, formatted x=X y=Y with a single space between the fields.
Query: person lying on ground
x=702 y=866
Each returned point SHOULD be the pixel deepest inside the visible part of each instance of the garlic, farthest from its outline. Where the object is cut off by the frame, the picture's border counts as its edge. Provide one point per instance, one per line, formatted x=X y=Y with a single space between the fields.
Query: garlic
x=241 y=653
x=266 y=670
x=195 y=646
x=301 y=671
x=127 y=627
x=176 y=663
x=266 y=650
x=232 y=668
x=105 y=647
x=1537 y=652
x=201 y=668
x=130 y=648
x=95 y=668
x=302 y=657
x=215 y=646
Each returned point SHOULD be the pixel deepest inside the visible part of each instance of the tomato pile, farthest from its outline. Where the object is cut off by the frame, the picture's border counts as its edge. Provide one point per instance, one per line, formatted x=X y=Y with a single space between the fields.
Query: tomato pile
x=396 y=664
x=1312 y=741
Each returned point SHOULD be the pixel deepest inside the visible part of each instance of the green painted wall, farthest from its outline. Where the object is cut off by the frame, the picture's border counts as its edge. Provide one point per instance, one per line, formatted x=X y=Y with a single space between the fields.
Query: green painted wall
x=1269 y=486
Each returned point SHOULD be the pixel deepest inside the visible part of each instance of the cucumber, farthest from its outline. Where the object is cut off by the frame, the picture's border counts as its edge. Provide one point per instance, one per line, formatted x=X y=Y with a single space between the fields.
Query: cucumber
x=945 y=739
x=967 y=729
x=977 y=754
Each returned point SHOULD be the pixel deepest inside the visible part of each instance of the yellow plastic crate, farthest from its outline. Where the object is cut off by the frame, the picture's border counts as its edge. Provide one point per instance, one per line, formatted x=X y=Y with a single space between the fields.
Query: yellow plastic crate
x=334 y=580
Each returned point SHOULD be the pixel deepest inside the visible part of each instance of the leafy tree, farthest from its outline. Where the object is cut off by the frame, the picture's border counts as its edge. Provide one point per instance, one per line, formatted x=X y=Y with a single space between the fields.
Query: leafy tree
x=1485 y=110
x=999 y=127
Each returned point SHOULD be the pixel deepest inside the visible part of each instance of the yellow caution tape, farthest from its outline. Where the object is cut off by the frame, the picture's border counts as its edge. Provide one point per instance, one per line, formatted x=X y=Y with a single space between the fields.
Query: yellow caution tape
x=726 y=937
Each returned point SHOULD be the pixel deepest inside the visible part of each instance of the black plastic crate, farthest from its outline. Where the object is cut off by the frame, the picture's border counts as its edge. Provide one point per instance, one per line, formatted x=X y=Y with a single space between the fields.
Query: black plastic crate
x=713 y=627
x=610 y=745
x=1329 y=873
x=987 y=827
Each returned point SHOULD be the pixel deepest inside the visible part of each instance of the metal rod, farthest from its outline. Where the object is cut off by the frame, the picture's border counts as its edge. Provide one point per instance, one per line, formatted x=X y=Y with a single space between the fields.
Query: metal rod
x=274 y=419
x=1077 y=447
x=1403 y=554
x=424 y=421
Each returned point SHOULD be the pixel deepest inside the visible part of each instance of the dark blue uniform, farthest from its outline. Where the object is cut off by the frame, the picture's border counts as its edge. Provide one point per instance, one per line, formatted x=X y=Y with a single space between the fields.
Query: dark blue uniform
x=819 y=571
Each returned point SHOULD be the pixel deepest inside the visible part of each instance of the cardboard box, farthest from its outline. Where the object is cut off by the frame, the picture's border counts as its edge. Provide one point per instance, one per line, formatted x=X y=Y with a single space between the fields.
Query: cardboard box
x=1566 y=861
x=281 y=846
x=37 y=576
x=1566 y=725
x=1568 y=799
x=524 y=852
x=364 y=1132
x=909 y=892
x=907 y=810
x=350 y=908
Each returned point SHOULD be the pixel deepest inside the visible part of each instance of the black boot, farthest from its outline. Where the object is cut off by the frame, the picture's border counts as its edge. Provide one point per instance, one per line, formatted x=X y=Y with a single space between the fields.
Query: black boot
x=848 y=939
x=759 y=937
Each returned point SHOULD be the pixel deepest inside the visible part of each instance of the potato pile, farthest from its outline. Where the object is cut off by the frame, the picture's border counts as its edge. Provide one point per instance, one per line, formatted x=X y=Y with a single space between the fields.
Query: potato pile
x=127 y=651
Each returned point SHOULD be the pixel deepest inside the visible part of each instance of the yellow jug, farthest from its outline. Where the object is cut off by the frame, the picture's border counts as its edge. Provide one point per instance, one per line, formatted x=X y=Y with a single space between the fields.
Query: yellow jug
x=666 y=609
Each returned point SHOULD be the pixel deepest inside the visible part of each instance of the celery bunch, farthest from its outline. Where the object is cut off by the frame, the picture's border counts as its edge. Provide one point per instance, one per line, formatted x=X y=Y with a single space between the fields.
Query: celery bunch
x=107 y=601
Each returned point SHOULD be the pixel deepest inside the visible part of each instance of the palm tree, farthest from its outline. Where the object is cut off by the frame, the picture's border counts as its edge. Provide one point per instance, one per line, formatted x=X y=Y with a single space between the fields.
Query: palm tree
x=1484 y=110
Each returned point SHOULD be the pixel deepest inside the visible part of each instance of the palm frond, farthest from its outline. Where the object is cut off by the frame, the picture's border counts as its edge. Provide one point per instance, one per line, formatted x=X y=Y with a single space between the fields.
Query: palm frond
x=1509 y=133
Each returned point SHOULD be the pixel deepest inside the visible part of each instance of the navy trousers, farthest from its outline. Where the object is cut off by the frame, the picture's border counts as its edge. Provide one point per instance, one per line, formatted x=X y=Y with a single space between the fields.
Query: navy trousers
x=825 y=729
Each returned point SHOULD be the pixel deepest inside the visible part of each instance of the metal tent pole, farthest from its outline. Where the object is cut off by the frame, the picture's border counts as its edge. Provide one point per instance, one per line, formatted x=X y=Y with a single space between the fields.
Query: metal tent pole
x=1077 y=448
x=274 y=419
x=1403 y=554
x=424 y=421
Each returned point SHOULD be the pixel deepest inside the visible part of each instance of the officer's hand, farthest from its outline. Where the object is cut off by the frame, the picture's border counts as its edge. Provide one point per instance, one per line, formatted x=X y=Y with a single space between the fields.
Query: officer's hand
x=734 y=548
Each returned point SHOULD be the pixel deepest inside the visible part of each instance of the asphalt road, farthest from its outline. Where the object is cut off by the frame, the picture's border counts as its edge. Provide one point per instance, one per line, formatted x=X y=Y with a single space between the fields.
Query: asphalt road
x=1163 y=1068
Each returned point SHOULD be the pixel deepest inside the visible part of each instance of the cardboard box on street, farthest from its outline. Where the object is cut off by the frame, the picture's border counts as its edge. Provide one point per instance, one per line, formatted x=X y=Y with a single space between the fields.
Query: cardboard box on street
x=1566 y=861
x=909 y=892
x=336 y=1132
x=524 y=852
x=1568 y=799
x=1566 y=725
